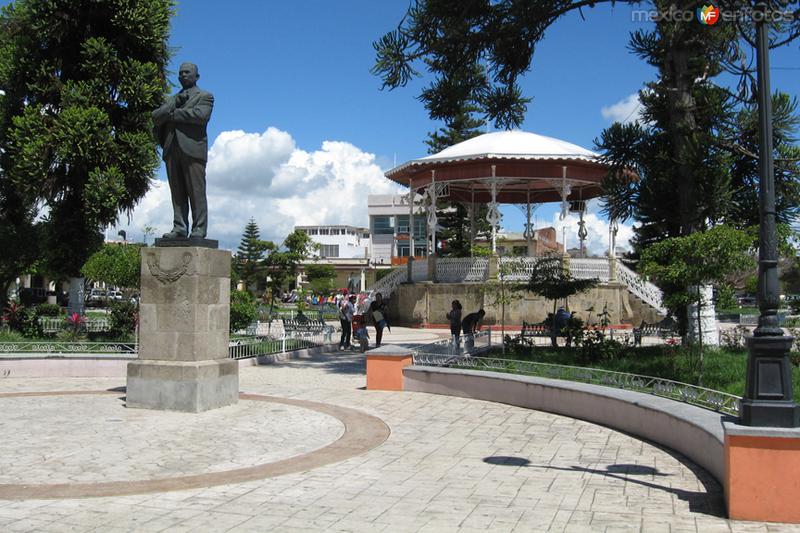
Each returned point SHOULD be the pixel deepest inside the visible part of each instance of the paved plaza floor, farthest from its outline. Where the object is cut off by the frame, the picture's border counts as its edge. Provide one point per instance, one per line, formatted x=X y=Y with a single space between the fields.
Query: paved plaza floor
x=308 y=449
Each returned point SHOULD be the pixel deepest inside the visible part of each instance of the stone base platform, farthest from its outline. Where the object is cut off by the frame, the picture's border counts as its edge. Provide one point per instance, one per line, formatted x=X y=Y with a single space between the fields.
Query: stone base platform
x=191 y=387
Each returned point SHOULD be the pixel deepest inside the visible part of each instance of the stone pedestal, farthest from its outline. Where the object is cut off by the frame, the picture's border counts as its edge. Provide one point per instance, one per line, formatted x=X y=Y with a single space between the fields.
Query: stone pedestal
x=183 y=332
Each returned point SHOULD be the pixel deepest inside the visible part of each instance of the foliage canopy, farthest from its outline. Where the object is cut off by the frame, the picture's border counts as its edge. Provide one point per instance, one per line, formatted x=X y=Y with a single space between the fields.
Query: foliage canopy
x=80 y=80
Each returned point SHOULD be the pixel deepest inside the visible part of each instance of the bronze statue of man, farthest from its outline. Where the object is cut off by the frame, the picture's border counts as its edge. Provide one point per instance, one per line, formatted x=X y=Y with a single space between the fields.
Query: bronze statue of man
x=180 y=127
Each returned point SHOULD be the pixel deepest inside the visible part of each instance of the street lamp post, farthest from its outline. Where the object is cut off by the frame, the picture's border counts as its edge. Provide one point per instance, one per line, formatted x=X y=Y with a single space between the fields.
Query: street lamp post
x=768 y=399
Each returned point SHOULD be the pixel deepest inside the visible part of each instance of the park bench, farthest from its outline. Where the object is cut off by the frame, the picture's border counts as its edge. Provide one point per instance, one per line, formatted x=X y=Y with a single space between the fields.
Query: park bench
x=306 y=328
x=663 y=329
x=531 y=331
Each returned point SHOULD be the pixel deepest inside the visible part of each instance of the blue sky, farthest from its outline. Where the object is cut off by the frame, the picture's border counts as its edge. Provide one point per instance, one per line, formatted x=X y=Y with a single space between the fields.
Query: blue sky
x=302 y=131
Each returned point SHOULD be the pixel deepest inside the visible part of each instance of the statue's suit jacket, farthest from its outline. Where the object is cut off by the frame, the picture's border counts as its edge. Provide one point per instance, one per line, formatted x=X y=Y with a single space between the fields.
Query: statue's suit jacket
x=184 y=126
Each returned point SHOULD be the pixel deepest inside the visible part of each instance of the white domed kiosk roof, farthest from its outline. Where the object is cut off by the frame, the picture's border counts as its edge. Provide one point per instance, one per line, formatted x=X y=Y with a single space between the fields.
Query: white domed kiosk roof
x=515 y=144
x=525 y=167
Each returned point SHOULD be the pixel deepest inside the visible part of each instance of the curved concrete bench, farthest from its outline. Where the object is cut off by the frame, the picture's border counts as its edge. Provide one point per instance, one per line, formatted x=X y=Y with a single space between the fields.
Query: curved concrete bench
x=695 y=432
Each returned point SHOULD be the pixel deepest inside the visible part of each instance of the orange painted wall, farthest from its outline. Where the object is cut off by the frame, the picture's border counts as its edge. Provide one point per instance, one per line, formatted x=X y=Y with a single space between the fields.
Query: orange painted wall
x=763 y=478
x=386 y=372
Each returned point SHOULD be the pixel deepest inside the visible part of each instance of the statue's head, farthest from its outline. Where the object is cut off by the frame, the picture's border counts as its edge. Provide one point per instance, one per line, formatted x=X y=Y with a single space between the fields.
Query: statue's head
x=188 y=75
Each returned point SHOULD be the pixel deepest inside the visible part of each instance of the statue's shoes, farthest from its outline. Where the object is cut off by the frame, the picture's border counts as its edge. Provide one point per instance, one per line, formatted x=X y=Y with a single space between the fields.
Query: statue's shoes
x=198 y=235
x=174 y=235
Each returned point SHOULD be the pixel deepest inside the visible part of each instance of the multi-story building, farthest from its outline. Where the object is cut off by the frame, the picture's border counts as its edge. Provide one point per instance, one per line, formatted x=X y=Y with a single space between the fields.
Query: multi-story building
x=516 y=244
x=389 y=224
x=339 y=242
x=347 y=249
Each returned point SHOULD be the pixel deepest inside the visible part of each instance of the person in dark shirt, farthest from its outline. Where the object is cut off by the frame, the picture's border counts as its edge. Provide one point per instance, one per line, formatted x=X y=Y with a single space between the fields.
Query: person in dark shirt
x=562 y=319
x=470 y=323
x=454 y=316
x=469 y=326
x=377 y=313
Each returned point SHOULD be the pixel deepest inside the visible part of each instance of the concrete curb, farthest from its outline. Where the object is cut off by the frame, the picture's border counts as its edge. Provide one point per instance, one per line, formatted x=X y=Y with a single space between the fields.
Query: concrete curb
x=695 y=432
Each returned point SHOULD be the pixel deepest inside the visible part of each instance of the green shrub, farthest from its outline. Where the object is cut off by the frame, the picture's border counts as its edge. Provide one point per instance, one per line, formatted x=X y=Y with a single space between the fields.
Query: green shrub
x=596 y=347
x=48 y=310
x=243 y=310
x=32 y=328
x=724 y=296
x=123 y=318
x=11 y=336
x=733 y=339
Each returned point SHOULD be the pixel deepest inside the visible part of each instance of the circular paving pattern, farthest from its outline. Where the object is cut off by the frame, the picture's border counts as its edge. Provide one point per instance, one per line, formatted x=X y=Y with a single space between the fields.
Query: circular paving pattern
x=97 y=447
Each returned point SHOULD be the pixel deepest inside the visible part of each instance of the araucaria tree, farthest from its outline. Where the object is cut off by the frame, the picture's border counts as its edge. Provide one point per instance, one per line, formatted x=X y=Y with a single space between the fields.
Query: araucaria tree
x=457 y=231
x=250 y=254
x=80 y=79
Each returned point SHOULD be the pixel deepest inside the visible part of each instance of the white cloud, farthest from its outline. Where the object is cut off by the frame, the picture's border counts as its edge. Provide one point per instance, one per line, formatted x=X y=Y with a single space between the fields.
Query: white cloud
x=597 y=231
x=627 y=110
x=267 y=177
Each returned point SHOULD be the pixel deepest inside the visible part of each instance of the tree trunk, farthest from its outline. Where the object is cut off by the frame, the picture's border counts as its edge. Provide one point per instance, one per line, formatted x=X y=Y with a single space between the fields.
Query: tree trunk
x=502 y=324
x=682 y=128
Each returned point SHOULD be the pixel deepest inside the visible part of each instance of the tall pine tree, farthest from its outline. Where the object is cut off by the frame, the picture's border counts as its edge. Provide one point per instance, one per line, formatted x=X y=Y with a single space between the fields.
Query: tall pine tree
x=250 y=254
x=454 y=218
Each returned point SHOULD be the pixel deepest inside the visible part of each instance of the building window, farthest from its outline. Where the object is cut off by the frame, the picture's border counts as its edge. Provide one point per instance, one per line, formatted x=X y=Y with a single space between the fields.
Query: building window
x=419 y=250
x=402 y=223
x=382 y=225
x=420 y=227
x=312 y=232
x=329 y=250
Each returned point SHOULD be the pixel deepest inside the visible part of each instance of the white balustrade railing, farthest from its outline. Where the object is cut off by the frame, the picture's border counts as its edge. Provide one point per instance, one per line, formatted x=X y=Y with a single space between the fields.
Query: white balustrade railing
x=642 y=289
x=388 y=283
x=419 y=270
x=589 y=268
x=462 y=269
x=516 y=268
x=54 y=324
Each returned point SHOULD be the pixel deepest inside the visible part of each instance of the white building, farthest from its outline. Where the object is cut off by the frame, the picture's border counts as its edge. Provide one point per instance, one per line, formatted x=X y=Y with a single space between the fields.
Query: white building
x=342 y=242
x=389 y=219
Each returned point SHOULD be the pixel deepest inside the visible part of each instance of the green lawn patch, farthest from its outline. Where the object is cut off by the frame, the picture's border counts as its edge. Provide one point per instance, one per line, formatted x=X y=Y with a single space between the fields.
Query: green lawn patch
x=724 y=369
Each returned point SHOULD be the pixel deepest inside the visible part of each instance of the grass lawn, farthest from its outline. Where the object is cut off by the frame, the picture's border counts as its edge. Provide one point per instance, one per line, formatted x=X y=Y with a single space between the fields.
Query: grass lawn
x=723 y=369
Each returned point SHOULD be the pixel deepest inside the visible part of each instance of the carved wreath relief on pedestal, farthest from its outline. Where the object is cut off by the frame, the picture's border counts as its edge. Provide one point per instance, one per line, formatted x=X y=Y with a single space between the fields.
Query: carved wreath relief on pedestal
x=168 y=276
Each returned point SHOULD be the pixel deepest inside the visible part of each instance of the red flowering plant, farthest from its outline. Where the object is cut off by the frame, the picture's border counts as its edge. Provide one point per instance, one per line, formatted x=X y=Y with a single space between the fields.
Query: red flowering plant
x=76 y=326
x=14 y=316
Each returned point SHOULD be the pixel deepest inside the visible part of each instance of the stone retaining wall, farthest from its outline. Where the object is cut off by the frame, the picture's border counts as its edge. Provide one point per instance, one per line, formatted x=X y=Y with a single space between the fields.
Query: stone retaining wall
x=428 y=303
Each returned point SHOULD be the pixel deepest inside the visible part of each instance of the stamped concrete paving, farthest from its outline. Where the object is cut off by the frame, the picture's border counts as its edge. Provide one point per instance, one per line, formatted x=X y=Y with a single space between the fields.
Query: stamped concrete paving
x=449 y=464
x=99 y=440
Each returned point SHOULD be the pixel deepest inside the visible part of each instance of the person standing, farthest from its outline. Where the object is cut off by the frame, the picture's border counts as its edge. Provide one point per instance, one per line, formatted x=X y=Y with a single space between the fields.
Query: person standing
x=180 y=128
x=454 y=316
x=470 y=325
x=346 y=311
x=377 y=312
